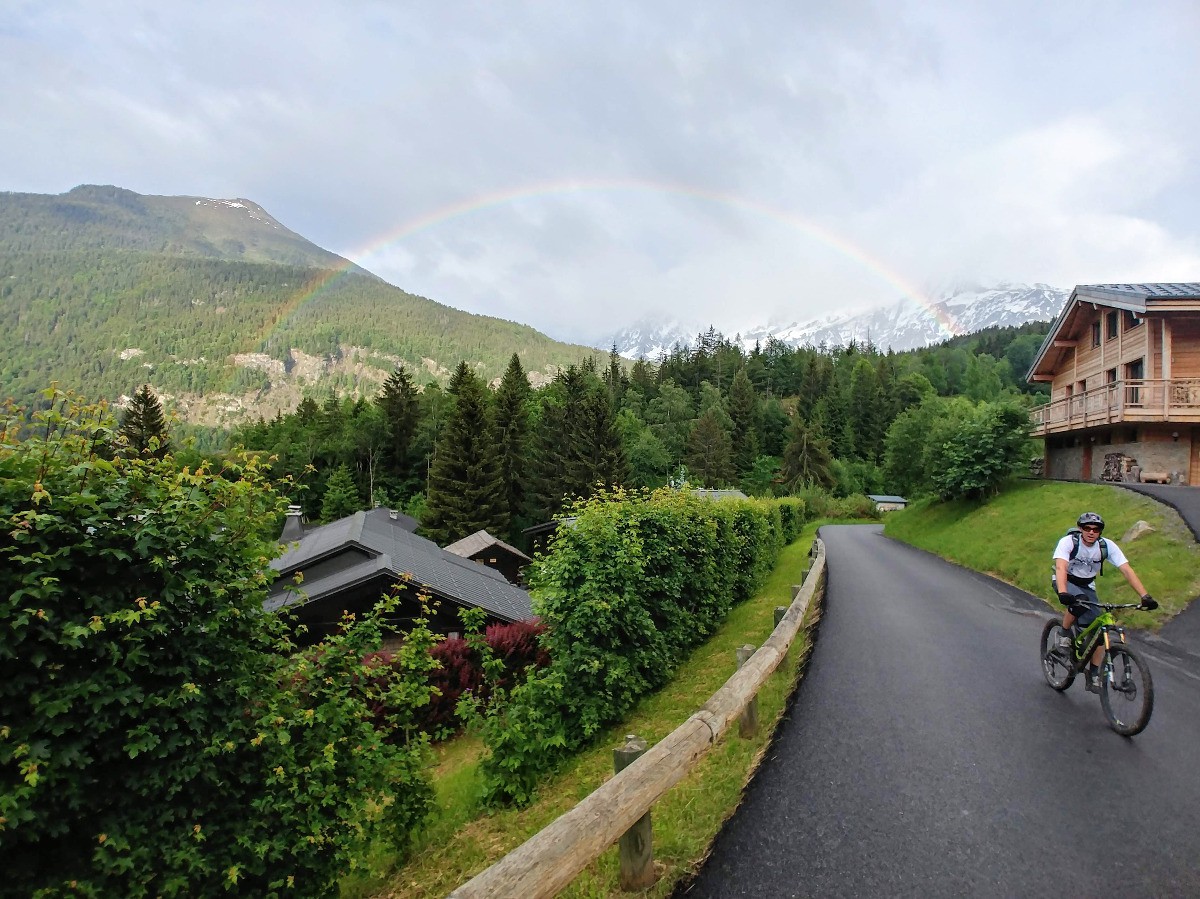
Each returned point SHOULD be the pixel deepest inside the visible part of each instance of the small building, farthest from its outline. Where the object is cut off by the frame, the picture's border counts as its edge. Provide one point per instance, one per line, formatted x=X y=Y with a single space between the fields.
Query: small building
x=710 y=493
x=1123 y=365
x=484 y=549
x=884 y=503
x=349 y=564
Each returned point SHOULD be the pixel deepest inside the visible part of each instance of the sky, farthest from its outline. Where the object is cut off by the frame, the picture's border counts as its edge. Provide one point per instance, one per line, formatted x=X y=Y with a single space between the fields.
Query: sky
x=582 y=167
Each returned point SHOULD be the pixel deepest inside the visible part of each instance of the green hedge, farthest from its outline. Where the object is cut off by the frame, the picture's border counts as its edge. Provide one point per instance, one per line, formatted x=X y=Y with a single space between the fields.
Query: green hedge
x=157 y=737
x=626 y=592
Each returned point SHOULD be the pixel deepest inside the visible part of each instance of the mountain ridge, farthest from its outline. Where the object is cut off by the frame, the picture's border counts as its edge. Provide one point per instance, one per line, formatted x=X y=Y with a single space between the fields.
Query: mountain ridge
x=904 y=325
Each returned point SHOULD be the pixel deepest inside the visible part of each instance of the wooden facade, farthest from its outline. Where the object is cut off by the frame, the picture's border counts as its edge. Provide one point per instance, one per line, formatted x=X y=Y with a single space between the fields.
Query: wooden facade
x=1123 y=364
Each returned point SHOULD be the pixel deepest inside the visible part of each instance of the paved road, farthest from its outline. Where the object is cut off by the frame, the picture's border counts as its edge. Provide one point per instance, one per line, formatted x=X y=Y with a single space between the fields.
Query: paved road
x=925 y=756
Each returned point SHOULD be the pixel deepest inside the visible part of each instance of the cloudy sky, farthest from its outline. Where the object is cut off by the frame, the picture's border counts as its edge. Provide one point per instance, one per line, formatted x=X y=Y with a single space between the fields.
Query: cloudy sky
x=578 y=166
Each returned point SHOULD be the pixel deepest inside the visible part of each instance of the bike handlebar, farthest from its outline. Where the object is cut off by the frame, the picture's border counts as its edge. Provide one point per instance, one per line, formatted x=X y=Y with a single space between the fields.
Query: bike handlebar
x=1108 y=605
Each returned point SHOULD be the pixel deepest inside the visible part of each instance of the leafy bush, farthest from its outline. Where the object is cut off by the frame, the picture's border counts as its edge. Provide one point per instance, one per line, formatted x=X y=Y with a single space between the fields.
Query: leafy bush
x=982 y=452
x=626 y=592
x=157 y=736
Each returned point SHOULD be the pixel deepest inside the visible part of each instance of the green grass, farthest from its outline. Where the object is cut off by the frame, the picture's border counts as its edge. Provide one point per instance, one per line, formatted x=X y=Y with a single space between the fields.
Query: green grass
x=1013 y=535
x=460 y=839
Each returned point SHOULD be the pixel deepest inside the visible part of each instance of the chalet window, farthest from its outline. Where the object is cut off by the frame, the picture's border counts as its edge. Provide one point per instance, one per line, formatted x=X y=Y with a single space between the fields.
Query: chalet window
x=1110 y=376
x=1134 y=372
x=1131 y=320
x=1095 y=333
x=1110 y=320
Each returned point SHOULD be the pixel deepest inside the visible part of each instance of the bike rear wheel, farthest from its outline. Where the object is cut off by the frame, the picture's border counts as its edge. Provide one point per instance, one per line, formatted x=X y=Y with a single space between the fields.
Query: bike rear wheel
x=1126 y=691
x=1056 y=664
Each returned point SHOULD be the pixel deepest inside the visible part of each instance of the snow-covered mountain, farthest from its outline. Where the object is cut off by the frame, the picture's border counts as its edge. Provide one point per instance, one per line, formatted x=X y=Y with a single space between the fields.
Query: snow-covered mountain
x=904 y=325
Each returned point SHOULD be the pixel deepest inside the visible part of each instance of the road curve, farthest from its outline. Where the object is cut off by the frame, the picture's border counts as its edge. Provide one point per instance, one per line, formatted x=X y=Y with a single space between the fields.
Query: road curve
x=924 y=755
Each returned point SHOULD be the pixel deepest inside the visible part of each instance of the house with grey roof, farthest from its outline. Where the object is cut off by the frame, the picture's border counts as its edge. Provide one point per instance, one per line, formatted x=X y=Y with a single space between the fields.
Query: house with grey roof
x=887 y=502
x=1123 y=365
x=348 y=564
x=484 y=549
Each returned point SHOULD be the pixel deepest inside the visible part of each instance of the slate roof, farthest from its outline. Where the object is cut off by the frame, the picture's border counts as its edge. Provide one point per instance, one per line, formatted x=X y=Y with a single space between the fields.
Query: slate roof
x=478 y=542
x=881 y=498
x=394 y=551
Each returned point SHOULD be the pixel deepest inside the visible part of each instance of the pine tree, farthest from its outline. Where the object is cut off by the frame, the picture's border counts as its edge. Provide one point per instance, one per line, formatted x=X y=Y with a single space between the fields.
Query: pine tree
x=466 y=486
x=512 y=436
x=144 y=426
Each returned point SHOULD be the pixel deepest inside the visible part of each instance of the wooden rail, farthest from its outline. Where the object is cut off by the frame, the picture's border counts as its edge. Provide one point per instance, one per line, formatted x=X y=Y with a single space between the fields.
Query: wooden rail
x=1141 y=400
x=550 y=859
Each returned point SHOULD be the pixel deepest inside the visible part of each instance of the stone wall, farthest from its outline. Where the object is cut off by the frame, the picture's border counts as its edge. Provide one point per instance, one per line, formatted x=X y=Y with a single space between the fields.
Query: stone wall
x=1155 y=451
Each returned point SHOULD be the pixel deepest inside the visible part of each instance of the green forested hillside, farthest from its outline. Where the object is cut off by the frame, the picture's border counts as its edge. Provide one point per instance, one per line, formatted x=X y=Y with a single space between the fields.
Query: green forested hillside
x=217 y=306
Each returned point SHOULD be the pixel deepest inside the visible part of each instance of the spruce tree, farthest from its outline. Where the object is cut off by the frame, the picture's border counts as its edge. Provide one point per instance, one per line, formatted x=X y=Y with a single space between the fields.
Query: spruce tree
x=341 y=496
x=400 y=406
x=865 y=412
x=710 y=451
x=806 y=459
x=144 y=426
x=577 y=445
x=512 y=435
x=466 y=486
x=742 y=404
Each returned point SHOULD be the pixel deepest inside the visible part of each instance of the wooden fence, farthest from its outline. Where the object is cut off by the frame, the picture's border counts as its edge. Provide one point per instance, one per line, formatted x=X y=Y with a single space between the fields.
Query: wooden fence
x=550 y=859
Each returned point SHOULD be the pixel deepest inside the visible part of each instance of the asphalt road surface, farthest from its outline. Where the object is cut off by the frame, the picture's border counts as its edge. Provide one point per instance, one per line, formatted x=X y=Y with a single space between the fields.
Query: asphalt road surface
x=924 y=755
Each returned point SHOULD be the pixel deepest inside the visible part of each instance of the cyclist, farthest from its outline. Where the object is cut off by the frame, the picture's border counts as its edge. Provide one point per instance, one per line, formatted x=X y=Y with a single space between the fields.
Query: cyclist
x=1077 y=561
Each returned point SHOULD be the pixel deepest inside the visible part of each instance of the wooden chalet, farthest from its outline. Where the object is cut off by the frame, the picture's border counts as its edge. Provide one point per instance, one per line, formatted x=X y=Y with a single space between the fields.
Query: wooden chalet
x=1123 y=365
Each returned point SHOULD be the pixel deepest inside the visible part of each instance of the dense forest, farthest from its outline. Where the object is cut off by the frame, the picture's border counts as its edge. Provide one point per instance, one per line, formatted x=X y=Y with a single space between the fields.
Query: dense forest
x=772 y=421
x=102 y=290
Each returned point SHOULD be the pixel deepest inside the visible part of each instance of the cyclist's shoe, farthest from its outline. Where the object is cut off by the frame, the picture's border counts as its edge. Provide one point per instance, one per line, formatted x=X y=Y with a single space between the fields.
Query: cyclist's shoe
x=1092 y=681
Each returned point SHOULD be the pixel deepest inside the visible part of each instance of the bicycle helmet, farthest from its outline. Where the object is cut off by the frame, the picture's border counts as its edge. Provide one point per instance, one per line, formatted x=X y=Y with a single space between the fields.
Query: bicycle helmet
x=1091 y=518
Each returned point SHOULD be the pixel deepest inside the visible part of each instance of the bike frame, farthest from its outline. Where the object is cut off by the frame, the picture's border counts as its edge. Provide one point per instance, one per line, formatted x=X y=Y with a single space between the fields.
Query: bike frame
x=1104 y=627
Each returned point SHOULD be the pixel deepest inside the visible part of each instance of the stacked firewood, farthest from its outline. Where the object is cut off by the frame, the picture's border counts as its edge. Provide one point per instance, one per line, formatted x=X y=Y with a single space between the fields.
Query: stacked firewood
x=1116 y=466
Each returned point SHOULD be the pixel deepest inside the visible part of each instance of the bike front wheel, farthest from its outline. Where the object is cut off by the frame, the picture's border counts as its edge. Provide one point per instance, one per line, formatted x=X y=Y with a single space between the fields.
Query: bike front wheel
x=1056 y=663
x=1126 y=691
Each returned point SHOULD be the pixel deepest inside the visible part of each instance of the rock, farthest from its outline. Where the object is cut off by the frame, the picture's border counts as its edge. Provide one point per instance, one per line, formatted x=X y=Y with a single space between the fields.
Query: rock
x=1139 y=528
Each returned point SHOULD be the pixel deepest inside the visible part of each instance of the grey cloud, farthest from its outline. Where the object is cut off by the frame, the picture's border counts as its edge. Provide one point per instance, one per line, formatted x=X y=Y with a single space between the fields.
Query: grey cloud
x=924 y=140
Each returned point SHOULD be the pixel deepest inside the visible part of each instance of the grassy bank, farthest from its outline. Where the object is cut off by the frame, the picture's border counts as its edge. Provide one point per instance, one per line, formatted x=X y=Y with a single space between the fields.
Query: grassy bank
x=461 y=839
x=1012 y=537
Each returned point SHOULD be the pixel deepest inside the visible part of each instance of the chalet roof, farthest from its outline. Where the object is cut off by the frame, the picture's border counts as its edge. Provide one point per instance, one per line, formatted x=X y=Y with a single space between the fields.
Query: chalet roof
x=478 y=542
x=1138 y=299
x=393 y=551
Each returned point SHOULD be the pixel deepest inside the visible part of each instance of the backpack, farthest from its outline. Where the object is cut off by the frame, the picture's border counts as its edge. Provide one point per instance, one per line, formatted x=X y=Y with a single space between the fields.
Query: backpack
x=1074 y=534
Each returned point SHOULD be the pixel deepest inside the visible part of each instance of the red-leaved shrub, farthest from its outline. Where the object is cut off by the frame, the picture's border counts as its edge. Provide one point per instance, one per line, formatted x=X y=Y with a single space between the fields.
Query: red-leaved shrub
x=461 y=669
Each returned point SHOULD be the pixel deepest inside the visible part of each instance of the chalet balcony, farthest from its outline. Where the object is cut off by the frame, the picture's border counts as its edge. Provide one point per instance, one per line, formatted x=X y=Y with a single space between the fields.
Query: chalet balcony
x=1121 y=402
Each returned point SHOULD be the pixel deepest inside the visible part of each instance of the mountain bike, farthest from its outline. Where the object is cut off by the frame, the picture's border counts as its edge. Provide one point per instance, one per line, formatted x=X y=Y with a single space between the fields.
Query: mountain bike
x=1126 y=689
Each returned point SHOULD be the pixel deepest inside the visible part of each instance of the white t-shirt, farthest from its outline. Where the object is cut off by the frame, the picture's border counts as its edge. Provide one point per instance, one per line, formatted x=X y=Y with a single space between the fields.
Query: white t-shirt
x=1086 y=564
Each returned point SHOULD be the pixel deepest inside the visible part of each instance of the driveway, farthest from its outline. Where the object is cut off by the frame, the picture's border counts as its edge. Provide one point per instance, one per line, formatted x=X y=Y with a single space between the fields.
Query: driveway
x=1181 y=634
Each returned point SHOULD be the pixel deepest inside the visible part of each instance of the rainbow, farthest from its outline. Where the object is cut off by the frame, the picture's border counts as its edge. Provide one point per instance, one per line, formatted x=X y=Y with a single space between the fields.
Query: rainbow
x=483 y=202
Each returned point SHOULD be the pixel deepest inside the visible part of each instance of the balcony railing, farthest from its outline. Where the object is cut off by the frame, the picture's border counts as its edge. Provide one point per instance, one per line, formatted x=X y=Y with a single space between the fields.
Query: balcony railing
x=1133 y=401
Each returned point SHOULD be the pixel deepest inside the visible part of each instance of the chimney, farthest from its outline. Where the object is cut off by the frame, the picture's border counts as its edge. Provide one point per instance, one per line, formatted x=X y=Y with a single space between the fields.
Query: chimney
x=293 y=525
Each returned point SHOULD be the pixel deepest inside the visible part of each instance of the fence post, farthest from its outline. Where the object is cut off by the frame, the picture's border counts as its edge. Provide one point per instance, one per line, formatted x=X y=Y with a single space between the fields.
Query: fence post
x=780 y=611
x=748 y=722
x=636 y=846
